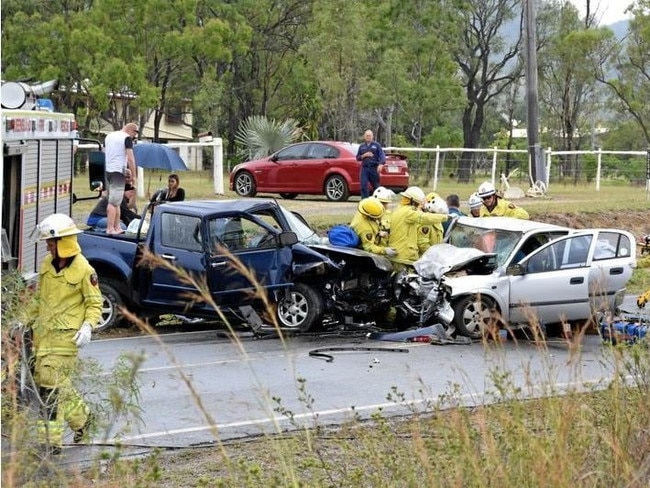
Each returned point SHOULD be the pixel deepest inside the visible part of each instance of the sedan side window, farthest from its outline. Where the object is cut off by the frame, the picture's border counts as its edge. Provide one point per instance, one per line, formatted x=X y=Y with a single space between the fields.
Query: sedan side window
x=611 y=245
x=292 y=152
x=565 y=254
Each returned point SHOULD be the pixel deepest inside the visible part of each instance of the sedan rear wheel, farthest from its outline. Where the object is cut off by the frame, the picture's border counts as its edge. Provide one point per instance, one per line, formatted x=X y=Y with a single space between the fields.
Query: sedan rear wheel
x=245 y=184
x=336 y=189
x=474 y=315
x=301 y=310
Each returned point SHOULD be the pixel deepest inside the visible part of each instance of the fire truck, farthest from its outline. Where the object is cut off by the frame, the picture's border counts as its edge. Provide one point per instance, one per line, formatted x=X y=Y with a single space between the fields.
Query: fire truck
x=37 y=171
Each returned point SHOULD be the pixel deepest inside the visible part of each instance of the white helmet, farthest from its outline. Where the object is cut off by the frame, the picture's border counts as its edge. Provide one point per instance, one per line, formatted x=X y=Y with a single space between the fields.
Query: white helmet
x=383 y=194
x=486 y=189
x=475 y=201
x=57 y=225
x=437 y=206
x=414 y=193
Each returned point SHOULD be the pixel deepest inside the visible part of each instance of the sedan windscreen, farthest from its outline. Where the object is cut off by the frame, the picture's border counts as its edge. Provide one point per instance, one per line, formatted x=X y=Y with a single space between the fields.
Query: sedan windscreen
x=500 y=242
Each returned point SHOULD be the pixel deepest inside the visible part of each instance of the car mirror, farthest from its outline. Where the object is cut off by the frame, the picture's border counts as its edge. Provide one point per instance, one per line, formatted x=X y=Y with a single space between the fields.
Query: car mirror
x=274 y=158
x=516 y=270
x=287 y=238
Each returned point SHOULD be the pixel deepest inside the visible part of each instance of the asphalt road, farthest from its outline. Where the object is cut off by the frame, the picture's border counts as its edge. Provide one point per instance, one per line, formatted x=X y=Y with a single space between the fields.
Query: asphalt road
x=200 y=387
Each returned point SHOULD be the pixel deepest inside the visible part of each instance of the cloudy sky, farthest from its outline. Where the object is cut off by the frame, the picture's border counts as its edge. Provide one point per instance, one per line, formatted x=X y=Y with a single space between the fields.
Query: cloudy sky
x=609 y=11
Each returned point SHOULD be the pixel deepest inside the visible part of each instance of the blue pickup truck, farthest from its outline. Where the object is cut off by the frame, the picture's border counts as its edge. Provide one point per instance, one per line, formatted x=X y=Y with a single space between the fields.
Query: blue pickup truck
x=307 y=282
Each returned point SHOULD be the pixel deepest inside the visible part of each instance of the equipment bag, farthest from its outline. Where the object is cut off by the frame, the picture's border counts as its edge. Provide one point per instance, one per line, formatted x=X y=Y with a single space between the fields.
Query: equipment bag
x=344 y=236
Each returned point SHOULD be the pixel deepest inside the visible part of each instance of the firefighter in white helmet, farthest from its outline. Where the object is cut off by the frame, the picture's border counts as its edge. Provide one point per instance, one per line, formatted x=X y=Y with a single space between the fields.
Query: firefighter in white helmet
x=385 y=196
x=495 y=206
x=405 y=224
x=68 y=306
x=366 y=223
x=431 y=234
x=475 y=203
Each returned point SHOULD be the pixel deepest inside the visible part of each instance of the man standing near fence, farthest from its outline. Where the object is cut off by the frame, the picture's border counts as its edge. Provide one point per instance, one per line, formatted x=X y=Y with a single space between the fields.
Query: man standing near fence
x=371 y=155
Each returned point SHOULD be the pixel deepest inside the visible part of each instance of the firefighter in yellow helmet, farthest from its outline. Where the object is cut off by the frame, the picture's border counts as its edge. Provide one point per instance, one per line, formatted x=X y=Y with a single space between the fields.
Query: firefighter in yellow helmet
x=405 y=224
x=68 y=306
x=366 y=223
x=643 y=262
x=495 y=206
x=385 y=196
x=431 y=234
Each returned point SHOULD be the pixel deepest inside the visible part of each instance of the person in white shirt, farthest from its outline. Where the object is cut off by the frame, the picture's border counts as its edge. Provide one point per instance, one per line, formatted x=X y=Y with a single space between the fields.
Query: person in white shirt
x=118 y=149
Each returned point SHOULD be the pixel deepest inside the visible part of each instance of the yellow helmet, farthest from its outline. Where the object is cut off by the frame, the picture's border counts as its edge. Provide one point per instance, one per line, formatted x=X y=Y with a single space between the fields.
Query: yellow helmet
x=432 y=196
x=371 y=207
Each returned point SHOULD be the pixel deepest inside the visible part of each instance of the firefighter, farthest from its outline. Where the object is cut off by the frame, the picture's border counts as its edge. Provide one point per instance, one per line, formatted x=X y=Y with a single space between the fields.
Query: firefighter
x=405 y=223
x=495 y=206
x=475 y=204
x=68 y=306
x=366 y=223
x=431 y=234
x=385 y=196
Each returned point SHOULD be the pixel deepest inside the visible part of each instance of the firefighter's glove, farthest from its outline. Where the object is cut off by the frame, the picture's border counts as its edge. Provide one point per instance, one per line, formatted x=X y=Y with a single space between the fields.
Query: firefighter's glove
x=82 y=337
x=430 y=207
x=390 y=252
x=641 y=301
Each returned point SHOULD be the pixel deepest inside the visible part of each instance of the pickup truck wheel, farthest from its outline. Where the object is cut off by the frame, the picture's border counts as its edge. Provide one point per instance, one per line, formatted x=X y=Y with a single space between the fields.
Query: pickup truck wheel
x=288 y=196
x=474 y=315
x=302 y=310
x=336 y=189
x=111 y=303
x=245 y=184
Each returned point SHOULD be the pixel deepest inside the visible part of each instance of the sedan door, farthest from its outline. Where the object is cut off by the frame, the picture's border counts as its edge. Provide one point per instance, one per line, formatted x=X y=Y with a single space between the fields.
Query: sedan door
x=611 y=268
x=286 y=174
x=555 y=284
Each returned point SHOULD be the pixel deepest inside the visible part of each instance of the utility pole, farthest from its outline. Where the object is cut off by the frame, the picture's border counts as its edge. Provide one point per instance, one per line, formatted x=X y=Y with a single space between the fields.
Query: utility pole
x=537 y=168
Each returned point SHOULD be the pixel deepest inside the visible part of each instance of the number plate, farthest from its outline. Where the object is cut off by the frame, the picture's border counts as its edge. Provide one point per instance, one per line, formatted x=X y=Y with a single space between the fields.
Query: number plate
x=392 y=169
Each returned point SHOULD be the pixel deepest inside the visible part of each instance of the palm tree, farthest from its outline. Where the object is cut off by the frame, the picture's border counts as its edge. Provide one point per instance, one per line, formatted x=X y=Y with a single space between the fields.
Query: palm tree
x=262 y=137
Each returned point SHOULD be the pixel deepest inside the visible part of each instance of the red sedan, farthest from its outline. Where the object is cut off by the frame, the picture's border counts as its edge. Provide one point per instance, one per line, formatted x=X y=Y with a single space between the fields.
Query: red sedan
x=325 y=168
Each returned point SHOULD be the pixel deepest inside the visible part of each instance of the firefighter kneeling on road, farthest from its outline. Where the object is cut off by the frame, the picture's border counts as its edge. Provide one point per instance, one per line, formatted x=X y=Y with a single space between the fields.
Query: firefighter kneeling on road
x=495 y=206
x=406 y=222
x=68 y=306
x=366 y=223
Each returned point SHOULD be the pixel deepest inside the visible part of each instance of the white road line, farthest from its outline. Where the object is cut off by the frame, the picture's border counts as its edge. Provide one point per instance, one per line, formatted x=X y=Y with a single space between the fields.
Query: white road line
x=469 y=398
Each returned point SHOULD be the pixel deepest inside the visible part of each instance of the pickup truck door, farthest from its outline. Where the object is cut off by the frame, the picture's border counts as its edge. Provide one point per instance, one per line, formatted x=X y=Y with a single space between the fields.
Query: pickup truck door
x=242 y=251
x=555 y=285
x=177 y=241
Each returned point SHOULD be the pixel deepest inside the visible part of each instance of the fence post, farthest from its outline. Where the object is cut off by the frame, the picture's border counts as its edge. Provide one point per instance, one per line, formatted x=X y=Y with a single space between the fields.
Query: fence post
x=599 y=152
x=494 y=166
x=435 y=169
x=647 y=174
x=217 y=166
x=548 y=167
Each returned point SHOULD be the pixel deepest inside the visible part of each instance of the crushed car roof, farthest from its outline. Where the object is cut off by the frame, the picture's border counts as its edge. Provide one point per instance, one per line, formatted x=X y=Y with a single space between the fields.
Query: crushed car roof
x=508 y=223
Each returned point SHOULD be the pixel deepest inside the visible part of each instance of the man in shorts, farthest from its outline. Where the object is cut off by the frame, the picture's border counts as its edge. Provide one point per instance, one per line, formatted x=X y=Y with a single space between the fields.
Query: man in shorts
x=118 y=148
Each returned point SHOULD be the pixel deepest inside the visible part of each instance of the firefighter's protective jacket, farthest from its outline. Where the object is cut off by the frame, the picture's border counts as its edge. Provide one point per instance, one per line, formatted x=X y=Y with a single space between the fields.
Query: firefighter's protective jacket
x=368 y=231
x=504 y=208
x=66 y=299
x=405 y=226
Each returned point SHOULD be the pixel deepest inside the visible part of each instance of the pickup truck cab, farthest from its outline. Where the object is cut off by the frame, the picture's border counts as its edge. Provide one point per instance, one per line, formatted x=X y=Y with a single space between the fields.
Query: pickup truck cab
x=197 y=244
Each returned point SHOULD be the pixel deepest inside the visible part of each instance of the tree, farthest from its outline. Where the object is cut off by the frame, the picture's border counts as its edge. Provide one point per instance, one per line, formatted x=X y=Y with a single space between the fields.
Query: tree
x=629 y=81
x=485 y=60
